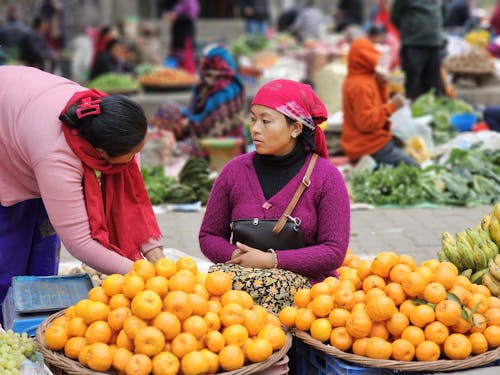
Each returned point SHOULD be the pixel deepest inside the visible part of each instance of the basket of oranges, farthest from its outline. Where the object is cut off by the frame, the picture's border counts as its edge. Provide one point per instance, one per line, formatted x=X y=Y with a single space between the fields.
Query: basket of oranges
x=389 y=312
x=163 y=318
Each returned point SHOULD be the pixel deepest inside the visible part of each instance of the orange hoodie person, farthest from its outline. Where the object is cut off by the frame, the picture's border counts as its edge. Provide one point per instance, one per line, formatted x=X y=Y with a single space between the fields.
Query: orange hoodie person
x=366 y=127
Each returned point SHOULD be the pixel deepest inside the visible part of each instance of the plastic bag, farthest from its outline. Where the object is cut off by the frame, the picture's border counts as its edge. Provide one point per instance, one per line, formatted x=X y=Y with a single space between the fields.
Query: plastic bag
x=404 y=126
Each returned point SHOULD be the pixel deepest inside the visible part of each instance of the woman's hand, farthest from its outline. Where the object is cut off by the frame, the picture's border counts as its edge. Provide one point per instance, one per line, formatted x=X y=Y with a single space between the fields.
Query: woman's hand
x=154 y=254
x=247 y=256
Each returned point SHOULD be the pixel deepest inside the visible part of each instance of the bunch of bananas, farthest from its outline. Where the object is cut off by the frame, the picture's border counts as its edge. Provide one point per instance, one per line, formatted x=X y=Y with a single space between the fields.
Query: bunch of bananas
x=473 y=250
x=491 y=279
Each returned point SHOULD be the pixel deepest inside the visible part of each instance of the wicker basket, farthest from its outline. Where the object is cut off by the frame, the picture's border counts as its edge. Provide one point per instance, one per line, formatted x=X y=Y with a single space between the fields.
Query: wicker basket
x=60 y=361
x=439 y=365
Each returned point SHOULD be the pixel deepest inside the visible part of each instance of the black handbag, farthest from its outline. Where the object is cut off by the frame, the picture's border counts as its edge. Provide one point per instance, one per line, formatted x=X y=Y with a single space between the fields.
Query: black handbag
x=281 y=234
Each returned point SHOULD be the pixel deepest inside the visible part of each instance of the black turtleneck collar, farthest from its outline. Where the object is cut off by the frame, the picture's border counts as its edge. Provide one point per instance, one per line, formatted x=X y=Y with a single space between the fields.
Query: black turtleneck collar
x=274 y=172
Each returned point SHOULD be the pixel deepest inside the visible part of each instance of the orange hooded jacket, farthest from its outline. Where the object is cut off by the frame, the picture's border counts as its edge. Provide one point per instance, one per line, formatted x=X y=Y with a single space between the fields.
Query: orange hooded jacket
x=366 y=127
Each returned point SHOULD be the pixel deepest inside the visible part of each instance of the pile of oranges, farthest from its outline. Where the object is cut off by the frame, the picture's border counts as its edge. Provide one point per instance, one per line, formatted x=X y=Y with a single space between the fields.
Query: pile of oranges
x=166 y=318
x=391 y=308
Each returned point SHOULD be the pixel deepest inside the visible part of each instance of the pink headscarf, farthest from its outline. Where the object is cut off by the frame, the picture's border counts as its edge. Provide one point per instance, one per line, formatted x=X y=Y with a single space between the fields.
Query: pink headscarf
x=299 y=102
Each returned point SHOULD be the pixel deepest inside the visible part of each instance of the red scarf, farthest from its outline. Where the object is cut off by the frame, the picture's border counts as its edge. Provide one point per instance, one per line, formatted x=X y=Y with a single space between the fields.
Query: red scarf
x=120 y=214
x=299 y=102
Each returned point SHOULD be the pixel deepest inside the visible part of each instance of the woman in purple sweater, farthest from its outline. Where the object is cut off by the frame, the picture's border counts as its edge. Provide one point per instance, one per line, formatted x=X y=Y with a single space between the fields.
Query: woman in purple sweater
x=284 y=119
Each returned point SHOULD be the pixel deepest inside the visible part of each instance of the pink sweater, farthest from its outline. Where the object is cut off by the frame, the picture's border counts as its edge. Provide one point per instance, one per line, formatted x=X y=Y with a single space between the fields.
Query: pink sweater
x=36 y=161
x=323 y=208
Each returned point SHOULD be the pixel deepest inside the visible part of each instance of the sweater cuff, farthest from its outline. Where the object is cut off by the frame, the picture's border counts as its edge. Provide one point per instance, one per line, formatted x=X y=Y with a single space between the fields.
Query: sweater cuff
x=390 y=108
x=152 y=244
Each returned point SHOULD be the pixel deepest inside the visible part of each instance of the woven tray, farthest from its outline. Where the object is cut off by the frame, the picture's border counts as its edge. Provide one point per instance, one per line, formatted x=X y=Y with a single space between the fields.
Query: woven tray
x=439 y=365
x=71 y=367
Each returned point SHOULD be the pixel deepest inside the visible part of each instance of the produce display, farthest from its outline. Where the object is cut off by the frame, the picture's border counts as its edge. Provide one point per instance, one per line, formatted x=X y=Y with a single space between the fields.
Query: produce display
x=166 y=318
x=476 y=61
x=474 y=251
x=391 y=308
x=165 y=77
x=114 y=83
x=246 y=45
x=14 y=349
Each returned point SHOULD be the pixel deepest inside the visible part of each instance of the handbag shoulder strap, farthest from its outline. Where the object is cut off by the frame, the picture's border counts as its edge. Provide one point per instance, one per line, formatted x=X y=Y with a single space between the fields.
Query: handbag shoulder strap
x=305 y=183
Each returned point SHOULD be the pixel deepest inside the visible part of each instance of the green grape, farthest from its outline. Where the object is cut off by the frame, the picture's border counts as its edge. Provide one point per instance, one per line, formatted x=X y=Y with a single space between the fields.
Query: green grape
x=14 y=349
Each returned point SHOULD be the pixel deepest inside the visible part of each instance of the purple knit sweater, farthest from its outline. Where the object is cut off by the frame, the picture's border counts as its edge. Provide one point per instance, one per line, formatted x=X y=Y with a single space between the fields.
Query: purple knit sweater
x=323 y=209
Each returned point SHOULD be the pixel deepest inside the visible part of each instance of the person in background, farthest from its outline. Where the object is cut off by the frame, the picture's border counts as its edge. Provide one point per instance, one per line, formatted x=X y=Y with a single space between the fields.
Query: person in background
x=303 y=22
x=256 y=15
x=420 y=25
x=33 y=49
x=491 y=116
x=366 y=129
x=284 y=127
x=458 y=14
x=348 y=12
x=183 y=18
x=148 y=45
x=53 y=12
x=13 y=31
x=55 y=135
x=112 y=59
x=495 y=18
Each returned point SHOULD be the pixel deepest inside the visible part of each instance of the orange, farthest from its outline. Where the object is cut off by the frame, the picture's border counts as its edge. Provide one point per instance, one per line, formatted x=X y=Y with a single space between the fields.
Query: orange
x=492 y=334
x=365 y=268
x=201 y=291
x=346 y=284
x=407 y=260
x=194 y=363
x=215 y=341
x=178 y=303
x=74 y=345
x=481 y=289
x=360 y=306
x=133 y=324
x=350 y=274
x=436 y=332
x=70 y=312
x=240 y=297
x=343 y=298
x=462 y=293
x=395 y=292
x=143 y=268
x=457 y=346
x=138 y=364
x=183 y=280
x=321 y=305
x=165 y=267
x=493 y=302
x=427 y=351
x=235 y=334
x=434 y=292
x=274 y=334
x=186 y=263
x=255 y=319
x=413 y=334
x=183 y=344
x=493 y=316
x=98 y=293
x=304 y=319
x=55 y=337
x=379 y=330
x=359 y=324
x=213 y=320
x=149 y=341
x=373 y=281
x=95 y=311
x=213 y=361
x=358 y=296
x=359 y=346
x=259 y=350
x=397 y=323
x=132 y=284
x=422 y=315
x=463 y=325
x=374 y=292
x=464 y=282
x=321 y=329
x=322 y=288
x=398 y=272
x=231 y=358
x=168 y=323
x=446 y=274
x=338 y=317
x=478 y=342
x=332 y=281
x=478 y=299
x=158 y=284
x=81 y=307
x=341 y=339
x=195 y=325
x=118 y=300
x=77 y=327
x=402 y=350
x=287 y=316
x=273 y=320
x=383 y=263
x=120 y=358
x=302 y=297
x=100 y=357
x=232 y=313
x=378 y=348
x=113 y=284
x=479 y=323
x=117 y=317
x=217 y=283
x=448 y=312
x=146 y=304
x=413 y=284
x=98 y=331
x=407 y=307
x=123 y=341
x=381 y=308
x=84 y=355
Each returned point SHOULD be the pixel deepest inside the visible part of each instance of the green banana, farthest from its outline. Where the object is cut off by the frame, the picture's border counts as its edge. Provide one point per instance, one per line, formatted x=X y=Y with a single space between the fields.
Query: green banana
x=494 y=270
x=480 y=259
x=476 y=277
x=465 y=252
x=463 y=234
x=442 y=257
x=496 y=211
x=485 y=222
x=493 y=248
x=467 y=273
x=497 y=260
x=473 y=236
x=491 y=284
x=447 y=237
x=495 y=230
x=451 y=253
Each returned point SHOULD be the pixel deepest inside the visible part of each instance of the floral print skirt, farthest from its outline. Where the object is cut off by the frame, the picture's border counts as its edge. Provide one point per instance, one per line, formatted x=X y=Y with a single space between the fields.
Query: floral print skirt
x=272 y=288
